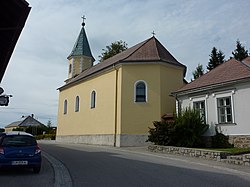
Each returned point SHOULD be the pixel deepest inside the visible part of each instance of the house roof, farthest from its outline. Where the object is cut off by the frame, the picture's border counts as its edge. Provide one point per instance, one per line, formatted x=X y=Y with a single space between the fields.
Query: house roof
x=230 y=71
x=81 y=47
x=28 y=121
x=13 y=15
x=14 y=124
x=148 y=51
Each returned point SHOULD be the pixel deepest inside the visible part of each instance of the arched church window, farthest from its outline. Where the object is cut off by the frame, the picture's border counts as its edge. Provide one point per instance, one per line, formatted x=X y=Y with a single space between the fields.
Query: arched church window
x=65 y=107
x=93 y=99
x=77 y=104
x=140 y=91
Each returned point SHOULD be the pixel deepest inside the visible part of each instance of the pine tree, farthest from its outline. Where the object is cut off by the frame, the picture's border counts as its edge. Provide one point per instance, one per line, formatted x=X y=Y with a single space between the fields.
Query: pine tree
x=198 y=72
x=240 y=52
x=216 y=58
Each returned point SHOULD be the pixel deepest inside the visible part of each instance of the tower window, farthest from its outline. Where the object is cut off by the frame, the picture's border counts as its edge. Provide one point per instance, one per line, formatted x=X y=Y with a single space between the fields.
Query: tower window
x=77 y=104
x=65 y=106
x=93 y=99
x=70 y=68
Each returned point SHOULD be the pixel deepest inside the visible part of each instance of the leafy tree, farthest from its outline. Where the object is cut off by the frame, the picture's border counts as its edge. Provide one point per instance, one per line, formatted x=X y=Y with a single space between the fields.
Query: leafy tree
x=240 y=52
x=198 y=72
x=113 y=49
x=216 y=58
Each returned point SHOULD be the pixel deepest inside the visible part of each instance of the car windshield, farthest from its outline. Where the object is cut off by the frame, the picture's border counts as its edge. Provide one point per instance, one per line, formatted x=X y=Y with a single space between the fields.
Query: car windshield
x=18 y=140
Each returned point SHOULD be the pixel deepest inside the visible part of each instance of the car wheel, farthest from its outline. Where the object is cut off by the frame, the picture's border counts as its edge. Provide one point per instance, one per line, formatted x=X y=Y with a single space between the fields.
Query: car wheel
x=36 y=169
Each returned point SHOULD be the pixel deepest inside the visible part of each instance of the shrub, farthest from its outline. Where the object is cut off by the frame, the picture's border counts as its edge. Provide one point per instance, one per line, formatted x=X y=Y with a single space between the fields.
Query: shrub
x=161 y=134
x=186 y=130
x=36 y=130
x=46 y=136
x=189 y=128
x=220 y=140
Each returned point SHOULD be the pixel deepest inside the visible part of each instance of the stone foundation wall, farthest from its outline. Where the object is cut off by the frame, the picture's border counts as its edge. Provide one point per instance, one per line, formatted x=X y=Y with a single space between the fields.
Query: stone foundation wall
x=242 y=141
x=198 y=153
x=203 y=154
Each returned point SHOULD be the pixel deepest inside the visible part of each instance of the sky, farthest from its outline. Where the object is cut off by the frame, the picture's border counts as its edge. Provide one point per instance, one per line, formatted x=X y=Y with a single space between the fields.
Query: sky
x=189 y=29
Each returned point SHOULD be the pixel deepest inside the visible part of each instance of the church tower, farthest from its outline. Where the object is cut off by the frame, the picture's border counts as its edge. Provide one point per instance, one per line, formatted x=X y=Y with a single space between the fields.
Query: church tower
x=80 y=57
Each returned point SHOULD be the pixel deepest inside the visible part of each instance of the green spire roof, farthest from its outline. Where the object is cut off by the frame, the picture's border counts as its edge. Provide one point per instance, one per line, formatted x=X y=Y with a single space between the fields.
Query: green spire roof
x=81 y=47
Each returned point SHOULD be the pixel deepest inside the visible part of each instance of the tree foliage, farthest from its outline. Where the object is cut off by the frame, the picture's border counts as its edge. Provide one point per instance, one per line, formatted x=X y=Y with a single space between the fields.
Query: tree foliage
x=198 y=72
x=113 y=49
x=216 y=58
x=240 y=52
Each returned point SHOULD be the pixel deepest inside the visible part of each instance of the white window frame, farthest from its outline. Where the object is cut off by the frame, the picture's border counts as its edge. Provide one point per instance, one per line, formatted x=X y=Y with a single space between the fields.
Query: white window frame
x=200 y=109
x=224 y=95
x=146 y=91
x=199 y=99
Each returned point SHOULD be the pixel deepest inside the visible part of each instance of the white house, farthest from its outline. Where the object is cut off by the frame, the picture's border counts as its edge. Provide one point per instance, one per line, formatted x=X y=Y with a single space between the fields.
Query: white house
x=223 y=97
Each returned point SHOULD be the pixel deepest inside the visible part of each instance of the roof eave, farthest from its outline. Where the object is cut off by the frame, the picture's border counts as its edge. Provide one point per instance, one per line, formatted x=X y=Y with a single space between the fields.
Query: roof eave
x=209 y=87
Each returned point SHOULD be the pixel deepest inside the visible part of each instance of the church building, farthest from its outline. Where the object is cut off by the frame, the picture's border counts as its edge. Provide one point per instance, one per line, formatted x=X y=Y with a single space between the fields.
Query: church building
x=115 y=101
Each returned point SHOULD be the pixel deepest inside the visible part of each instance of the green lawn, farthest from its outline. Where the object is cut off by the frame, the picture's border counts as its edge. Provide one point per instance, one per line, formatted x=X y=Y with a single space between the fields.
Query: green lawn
x=232 y=150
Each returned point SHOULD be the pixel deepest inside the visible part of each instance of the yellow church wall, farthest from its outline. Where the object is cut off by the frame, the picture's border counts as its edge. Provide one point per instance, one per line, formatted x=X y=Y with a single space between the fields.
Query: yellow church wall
x=99 y=120
x=161 y=80
x=137 y=117
x=171 y=78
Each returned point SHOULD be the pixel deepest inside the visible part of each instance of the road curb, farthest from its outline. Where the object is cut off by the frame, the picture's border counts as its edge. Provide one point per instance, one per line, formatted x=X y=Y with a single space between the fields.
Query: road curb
x=62 y=175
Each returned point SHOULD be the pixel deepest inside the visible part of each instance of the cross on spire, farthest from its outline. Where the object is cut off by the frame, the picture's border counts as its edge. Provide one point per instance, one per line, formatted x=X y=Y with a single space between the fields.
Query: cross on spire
x=83 y=19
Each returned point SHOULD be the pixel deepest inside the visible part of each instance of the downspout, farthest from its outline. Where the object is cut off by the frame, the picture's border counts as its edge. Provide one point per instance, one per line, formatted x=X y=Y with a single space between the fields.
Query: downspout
x=116 y=87
x=176 y=101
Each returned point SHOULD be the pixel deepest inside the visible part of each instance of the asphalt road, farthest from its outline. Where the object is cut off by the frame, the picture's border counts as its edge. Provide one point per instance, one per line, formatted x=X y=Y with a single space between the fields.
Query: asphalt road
x=127 y=167
x=26 y=177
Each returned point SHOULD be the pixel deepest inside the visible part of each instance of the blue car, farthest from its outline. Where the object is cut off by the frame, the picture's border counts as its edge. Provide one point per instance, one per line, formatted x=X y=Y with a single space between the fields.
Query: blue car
x=19 y=150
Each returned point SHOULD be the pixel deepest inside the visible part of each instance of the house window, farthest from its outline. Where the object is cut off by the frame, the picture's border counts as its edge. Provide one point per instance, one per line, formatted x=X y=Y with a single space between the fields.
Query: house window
x=65 y=107
x=93 y=99
x=200 y=106
x=224 y=110
x=140 y=91
x=77 y=104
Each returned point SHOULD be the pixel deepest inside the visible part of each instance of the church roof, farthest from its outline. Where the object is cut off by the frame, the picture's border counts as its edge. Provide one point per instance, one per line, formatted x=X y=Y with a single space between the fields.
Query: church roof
x=229 y=72
x=81 y=47
x=148 y=51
